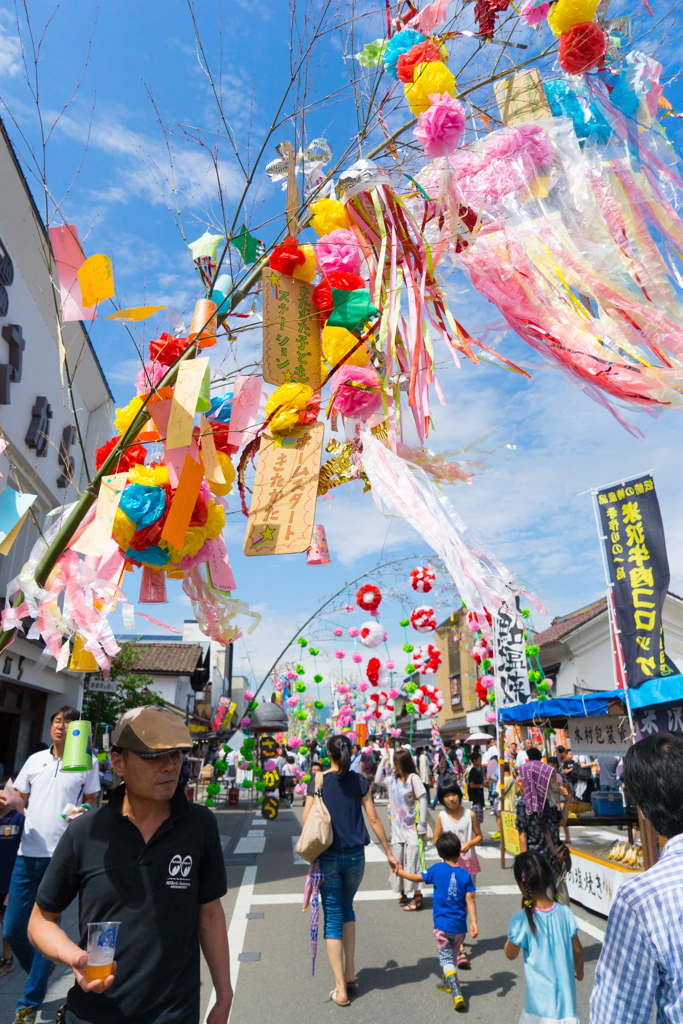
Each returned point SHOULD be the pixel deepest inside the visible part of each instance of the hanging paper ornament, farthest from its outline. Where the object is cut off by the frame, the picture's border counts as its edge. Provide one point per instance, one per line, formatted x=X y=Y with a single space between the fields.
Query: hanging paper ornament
x=566 y=13
x=285 y=258
x=338 y=631
x=430 y=79
x=295 y=742
x=423 y=619
x=440 y=126
x=357 y=658
x=340 y=654
x=398 y=45
x=427 y=659
x=422 y=53
x=377 y=672
x=368 y=598
x=488 y=682
x=490 y=717
x=291 y=404
x=428 y=700
x=353 y=632
x=371 y=634
x=582 y=48
x=338 y=253
x=318 y=552
x=380 y=706
x=421 y=579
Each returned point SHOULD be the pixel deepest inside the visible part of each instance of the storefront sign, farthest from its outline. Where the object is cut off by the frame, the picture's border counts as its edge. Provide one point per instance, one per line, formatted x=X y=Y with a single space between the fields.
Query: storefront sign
x=102 y=685
x=639 y=571
x=593 y=883
x=601 y=734
x=654 y=720
x=512 y=677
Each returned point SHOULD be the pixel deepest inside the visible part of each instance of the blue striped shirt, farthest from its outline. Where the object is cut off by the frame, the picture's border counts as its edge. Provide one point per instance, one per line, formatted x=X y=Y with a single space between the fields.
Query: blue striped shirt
x=641 y=964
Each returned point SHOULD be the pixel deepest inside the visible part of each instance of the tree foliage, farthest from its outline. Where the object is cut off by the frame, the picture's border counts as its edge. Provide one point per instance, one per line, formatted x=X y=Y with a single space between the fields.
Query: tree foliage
x=132 y=691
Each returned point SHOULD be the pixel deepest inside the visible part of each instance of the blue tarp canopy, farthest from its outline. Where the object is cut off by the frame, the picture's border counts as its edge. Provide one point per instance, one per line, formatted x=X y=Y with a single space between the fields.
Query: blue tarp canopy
x=667 y=690
x=581 y=706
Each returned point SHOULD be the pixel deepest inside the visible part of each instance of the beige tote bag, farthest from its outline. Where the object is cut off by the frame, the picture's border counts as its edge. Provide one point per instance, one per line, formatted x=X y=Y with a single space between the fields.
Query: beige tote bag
x=317 y=834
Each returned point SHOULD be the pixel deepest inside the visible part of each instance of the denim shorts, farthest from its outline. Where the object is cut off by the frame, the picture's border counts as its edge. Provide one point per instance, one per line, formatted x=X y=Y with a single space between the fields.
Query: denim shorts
x=343 y=871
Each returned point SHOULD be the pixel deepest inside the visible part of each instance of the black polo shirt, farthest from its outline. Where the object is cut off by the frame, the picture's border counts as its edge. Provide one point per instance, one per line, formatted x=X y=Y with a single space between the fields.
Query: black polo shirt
x=155 y=891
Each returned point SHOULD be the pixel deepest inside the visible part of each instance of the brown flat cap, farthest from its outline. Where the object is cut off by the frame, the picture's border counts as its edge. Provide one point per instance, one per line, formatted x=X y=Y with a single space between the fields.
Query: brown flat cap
x=151 y=730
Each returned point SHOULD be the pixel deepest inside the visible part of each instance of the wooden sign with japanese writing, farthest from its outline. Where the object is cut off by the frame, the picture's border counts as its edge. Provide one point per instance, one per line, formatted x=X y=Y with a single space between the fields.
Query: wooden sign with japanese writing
x=285 y=489
x=521 y=97
x=291 y=331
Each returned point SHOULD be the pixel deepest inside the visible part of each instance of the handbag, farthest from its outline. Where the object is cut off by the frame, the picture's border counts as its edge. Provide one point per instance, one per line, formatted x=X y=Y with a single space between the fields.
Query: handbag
x=429 y=834
x=562 y=858
x=316 y=835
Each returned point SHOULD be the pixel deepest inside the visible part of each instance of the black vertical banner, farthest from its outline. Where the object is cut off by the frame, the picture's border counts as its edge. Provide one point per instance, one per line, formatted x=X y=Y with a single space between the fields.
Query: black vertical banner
x=639 y=570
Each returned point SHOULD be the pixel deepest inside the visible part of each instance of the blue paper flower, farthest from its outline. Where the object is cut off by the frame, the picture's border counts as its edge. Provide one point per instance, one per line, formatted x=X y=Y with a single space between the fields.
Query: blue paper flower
x=154 y=556
x=221 y=407
x=398 y=44
x=143 y=505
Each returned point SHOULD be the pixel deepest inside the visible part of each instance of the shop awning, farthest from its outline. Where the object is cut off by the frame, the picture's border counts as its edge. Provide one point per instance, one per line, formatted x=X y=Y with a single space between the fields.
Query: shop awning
x=580 y=706
x=667 y=690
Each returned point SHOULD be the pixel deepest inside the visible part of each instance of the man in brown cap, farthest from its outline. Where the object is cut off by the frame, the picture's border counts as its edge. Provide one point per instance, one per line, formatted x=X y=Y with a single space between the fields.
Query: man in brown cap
x=152 y=862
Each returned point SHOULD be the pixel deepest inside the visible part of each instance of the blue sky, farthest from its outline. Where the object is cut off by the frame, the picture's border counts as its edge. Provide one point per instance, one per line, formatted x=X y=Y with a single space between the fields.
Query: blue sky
x=144 y=71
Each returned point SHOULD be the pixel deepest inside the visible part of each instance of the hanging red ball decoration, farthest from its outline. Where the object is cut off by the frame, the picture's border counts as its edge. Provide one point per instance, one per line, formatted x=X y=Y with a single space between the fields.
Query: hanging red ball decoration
x=582 y=48
x=287 y=257
x=426 y=659
x=421 y=579
x=428 y=699
x=368 y=598
x=423 y=619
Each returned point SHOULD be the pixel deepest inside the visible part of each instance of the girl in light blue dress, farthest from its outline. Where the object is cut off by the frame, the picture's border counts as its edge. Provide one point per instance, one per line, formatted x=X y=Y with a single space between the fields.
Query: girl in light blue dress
x=553 y=954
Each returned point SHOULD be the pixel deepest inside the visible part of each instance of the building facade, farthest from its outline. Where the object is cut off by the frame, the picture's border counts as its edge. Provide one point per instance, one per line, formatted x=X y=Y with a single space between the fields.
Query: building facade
x=456 y=677
x=45 y=455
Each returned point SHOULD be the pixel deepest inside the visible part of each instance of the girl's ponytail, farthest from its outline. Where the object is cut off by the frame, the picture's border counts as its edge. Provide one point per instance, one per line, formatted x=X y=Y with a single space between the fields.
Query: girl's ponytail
x=534 y=874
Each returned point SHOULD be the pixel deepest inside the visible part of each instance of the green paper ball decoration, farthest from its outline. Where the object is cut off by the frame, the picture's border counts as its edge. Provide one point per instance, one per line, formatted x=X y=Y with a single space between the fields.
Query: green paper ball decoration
x=301 y=715
x=300 y=670
x=258 y=772
x=260 y=799
x=486 y=664
x=299 y=687
x=317 y=678
x=526 y=613
x=303 y=750
x=404 y=622
x=326 y=760
x=208 y=802
x=306 y=778
x=408 y=648
x=246 y=784
x=315 y=651
x=220 y=766
x=410 y=670
x=410 y=707
x=213 y=789
x=320 y=735
x=411 y=687
x=302 y=642
x=260 y=786
x=318 y=704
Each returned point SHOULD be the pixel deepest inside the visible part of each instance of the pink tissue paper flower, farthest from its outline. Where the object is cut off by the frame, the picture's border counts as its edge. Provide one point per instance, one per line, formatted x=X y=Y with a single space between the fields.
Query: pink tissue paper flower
x=348 y=608
x=343 y=688
x=149 y=377
x=292 y=701
x=357 y=658
x=393 y=693
x=340 y=654
x=390 y=665
x=532 y=15
x=270 y=765
x=248 y=695
x=439 y=128
x=338 y=252
x=294 y=742
x=353 y=632
x=292 y=676
x=338 y=631
x=363 y=686
x=246 y=721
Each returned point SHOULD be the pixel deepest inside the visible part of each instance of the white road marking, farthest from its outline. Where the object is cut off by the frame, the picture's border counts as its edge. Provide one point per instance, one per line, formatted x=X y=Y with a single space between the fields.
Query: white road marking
x=251 y=844
x=256 y=833
x=238 y=929
x=590 y=929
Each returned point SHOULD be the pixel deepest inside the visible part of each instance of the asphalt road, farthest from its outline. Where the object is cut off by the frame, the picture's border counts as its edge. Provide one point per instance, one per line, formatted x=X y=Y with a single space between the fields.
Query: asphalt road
x=396 y=963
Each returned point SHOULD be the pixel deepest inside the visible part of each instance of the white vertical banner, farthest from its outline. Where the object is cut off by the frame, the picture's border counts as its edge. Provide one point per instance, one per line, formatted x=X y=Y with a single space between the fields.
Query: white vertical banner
x=509 y=652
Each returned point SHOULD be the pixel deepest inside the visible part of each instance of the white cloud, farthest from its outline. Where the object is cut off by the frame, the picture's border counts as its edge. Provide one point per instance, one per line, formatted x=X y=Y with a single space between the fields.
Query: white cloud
x=10 y=47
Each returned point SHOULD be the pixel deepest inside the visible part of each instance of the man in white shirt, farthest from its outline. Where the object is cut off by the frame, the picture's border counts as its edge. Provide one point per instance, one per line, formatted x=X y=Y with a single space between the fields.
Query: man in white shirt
x=355 y=759
x=523 y=755
x=47 y=791
x=491 y=751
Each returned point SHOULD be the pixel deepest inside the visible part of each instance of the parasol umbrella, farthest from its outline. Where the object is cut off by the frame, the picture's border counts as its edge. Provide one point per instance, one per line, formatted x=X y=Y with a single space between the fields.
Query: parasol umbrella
x=477 y=737
x=314 y=880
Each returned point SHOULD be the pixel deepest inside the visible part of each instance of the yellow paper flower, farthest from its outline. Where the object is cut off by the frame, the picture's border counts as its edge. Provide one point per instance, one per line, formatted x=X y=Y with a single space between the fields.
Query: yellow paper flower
x=123 y=530
x=337 y=341
x=289 y=400
x=216 y=520
x=196 y=535
x=149 y=476
x=306 y=272
x=566 y=13
x=430 y=78
x=124 y=417
x=328 y=215
x=228 y=472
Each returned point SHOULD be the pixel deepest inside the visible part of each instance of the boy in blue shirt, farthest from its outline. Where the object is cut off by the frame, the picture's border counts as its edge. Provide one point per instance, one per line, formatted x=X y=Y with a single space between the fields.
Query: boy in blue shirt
x=453 y=896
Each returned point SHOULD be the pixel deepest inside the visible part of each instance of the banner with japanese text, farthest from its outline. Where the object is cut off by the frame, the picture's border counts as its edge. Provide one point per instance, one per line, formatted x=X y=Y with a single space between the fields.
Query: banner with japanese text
x=512 y=676
x=639 y=571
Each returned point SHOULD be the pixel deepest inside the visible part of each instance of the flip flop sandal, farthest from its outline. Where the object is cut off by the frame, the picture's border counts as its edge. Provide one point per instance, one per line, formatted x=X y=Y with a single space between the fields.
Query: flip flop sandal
x=462 y=960
x=333 y=999
x=415 y=904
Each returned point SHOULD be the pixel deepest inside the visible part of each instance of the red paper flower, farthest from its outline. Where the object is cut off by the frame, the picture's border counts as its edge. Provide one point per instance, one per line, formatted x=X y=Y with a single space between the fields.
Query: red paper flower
x=372 y=670
x=220 y=438
x=368 y=598
x=287 y=257
x=166 y=349
x=582 y=48
x=133 y=456
x=423 y=53
x=485 y=12
x=322 y=293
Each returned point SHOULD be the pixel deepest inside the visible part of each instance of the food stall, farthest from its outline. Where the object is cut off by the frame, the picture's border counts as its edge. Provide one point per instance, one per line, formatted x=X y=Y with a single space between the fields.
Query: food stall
x=595 y=724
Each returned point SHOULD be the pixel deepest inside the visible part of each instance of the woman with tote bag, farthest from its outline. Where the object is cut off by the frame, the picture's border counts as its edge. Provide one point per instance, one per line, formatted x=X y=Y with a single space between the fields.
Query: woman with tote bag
x=344 y=794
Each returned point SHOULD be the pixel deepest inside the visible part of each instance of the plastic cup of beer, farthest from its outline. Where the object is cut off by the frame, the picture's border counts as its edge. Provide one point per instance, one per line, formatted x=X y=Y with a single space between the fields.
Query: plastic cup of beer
x=101 y=943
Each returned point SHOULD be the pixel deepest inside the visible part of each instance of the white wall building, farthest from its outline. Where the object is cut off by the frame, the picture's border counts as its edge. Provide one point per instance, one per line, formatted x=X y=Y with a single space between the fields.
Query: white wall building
x=576 y=649
x=44 y=456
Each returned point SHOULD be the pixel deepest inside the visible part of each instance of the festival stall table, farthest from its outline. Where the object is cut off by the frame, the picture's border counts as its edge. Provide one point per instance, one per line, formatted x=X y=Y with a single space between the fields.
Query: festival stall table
x=592 y=723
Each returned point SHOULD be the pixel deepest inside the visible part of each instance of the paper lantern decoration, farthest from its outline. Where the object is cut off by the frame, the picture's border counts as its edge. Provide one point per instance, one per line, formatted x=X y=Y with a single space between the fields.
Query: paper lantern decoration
x=318 y=553
x=421 y=579
x=371 y=634
x=428 y=700
x=423 y=619
x=369 y=598
x=426 y=659
x=377 y=673
x=380 y=706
